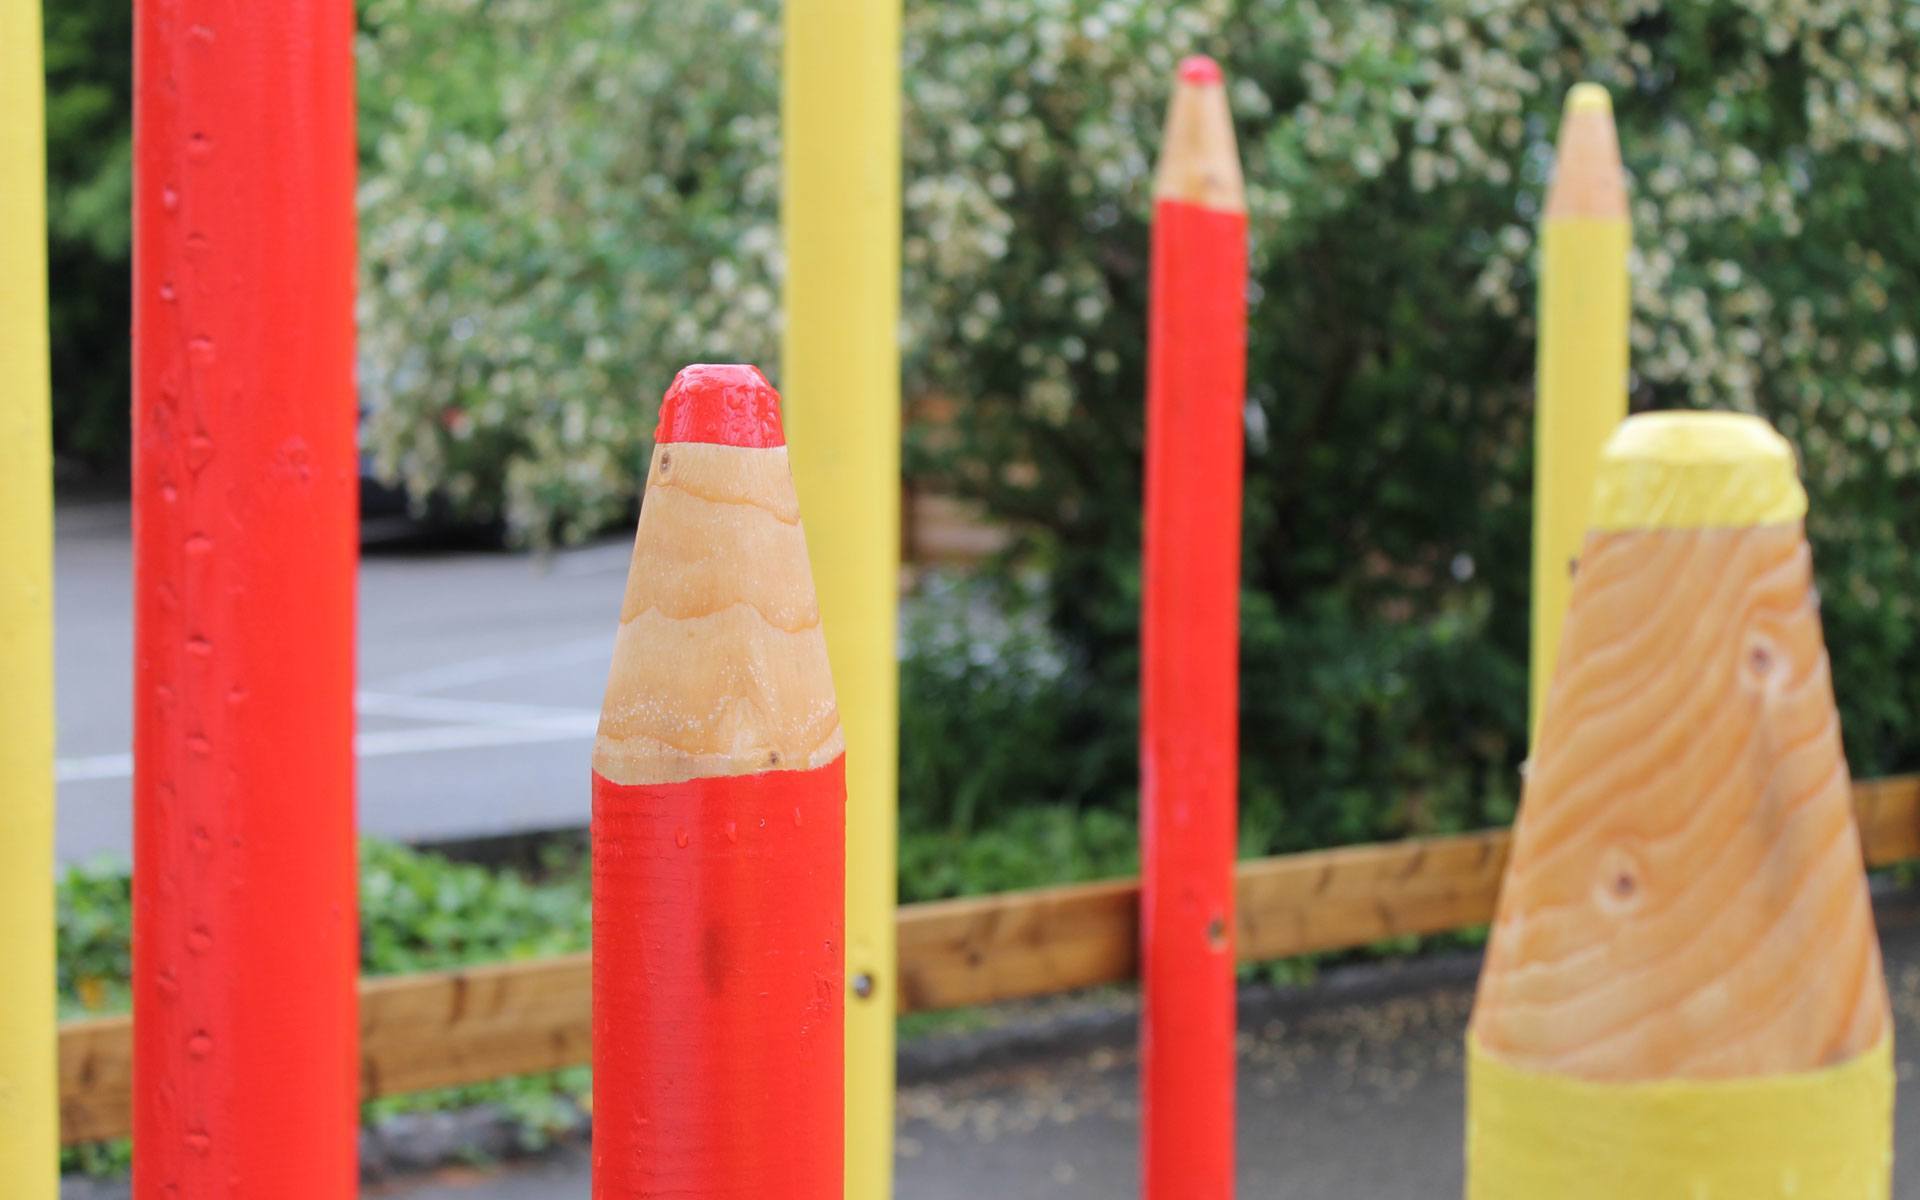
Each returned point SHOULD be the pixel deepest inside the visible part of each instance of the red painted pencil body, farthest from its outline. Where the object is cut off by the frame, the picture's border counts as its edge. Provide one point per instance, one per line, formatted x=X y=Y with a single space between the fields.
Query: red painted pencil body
x=718 y=952
x=245 y=482
x=1189 y=698
x=719 y=829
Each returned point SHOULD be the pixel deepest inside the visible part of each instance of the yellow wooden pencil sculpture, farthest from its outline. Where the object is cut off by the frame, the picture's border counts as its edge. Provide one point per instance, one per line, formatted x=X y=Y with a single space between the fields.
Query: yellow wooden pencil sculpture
x=1581 y=388
x=1682 y=998
x=29 y=1116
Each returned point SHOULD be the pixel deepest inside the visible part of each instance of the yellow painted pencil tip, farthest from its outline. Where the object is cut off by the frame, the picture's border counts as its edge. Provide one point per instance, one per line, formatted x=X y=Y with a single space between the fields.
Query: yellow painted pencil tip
x=1589 y=97
x=1696 y=470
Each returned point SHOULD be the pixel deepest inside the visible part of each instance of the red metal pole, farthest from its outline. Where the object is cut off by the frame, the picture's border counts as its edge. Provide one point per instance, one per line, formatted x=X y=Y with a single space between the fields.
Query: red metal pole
x=719 y=829
x=1189 y=744
x=245 y=539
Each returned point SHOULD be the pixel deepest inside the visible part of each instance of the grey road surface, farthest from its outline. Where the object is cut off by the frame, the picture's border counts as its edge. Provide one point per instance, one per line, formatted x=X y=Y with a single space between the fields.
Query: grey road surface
x=480 y=675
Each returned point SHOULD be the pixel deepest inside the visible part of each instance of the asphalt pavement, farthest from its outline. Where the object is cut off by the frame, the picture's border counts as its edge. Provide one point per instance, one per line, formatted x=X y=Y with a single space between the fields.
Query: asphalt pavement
x=480 y=676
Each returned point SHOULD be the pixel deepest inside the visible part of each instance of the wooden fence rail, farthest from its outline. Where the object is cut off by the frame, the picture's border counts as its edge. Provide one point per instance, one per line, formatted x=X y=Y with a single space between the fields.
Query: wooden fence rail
x=443 y=1028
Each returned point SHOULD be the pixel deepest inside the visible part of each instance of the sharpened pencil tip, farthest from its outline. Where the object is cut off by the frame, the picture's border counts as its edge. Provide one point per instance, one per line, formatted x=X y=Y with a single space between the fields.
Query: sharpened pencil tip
x=1588 y=180
x=1198 y=68
x=1589 y=97
x=726 y=405
x=1199 y=160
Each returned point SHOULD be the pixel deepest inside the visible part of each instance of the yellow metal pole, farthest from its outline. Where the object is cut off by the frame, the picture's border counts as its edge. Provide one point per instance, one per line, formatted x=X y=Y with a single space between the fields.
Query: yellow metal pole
x=840 y=373
x=1582 y=368
x=29 y=1110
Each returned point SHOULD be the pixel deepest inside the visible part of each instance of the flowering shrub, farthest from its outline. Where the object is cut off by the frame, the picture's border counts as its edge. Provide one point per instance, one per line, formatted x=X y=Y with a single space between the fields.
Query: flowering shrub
x=563 y=203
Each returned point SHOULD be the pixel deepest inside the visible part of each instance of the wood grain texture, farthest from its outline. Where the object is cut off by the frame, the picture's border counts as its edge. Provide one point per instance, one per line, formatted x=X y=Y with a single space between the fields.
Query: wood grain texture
x=429 y=1030
x=1029 y=943
x=1331 y=899
x=1685 y=899
x=449 y=1027
x=444 y=1028
x=733 y=639
x=96 y=1079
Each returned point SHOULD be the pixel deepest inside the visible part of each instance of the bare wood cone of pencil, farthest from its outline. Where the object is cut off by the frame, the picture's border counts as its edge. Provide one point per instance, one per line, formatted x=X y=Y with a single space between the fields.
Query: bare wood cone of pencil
x=719 y=822
x=1683 y=995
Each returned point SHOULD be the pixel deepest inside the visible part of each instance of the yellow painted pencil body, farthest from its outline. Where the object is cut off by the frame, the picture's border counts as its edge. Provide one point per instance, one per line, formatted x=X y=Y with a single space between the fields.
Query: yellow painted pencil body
x=1582 y=367
x=1816 y=1135
x=29 y=1112
x=840 y=374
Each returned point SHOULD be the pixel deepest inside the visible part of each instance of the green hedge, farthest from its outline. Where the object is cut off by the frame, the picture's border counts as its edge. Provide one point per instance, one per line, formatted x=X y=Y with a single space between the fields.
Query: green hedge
x=90 y=233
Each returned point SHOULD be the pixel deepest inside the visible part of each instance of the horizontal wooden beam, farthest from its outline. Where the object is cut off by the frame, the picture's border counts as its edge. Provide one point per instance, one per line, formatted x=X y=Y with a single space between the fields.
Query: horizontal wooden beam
x=451 y=1027
x=435 y=1029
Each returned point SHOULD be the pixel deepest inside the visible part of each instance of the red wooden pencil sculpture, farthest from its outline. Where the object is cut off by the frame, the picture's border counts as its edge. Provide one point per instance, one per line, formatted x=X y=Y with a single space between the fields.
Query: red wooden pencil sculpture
x=245 y=482
x=1189 y=744
x=719 y=821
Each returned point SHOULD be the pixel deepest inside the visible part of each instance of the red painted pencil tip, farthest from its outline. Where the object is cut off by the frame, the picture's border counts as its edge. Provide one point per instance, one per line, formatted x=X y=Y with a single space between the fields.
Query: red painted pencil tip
x=728 y=404
x=1198 y=68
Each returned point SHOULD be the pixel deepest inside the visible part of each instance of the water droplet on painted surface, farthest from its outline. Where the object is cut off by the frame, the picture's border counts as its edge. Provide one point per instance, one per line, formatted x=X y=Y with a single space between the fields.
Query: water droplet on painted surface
x=200 y=940
x=199 y=647
x=199 y=1141
x=199 y=544
x=680 y=838
x=200 y=1044
x=733 y=831
x=169 y=199
x=167 y=293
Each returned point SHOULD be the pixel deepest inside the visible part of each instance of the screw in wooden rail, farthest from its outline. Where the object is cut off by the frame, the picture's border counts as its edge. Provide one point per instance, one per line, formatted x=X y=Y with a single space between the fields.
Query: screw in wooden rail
x=1682 y=995
x=1189 y=736
x=719 y=821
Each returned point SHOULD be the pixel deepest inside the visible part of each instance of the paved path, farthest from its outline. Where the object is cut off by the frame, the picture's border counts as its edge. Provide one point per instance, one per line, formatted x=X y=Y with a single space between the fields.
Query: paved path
x=1350 y=1088
x=480 y=682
